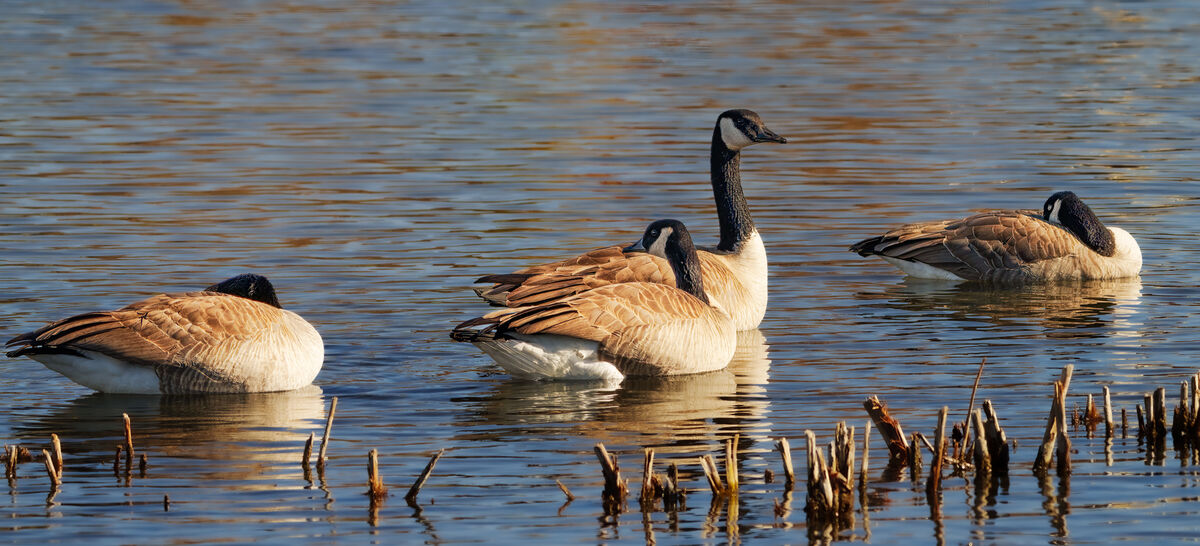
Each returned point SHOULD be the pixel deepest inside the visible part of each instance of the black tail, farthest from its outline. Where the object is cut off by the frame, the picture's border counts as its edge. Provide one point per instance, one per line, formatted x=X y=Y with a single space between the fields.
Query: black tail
x=866 y=247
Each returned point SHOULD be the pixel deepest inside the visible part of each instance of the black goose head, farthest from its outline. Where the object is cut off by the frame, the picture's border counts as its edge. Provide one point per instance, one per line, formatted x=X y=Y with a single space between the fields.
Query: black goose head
x=670 y=239
x=739 y=128
x=249 y=286
x=1067 y=210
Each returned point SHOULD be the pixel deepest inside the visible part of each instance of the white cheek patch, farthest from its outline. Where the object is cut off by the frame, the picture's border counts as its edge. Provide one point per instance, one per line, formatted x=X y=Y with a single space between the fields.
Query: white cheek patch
x=659 y=248
x=734 y=138
x=1053 y=216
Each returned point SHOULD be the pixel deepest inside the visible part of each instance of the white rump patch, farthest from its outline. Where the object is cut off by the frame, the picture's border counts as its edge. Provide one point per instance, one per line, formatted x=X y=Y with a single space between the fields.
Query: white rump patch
x=103 y=373
x=922 y=271
x=550 y=357
x=734 y=138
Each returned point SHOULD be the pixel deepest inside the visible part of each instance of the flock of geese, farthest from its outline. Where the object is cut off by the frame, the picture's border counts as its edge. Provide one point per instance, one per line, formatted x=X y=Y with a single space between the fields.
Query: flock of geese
x=661 y=306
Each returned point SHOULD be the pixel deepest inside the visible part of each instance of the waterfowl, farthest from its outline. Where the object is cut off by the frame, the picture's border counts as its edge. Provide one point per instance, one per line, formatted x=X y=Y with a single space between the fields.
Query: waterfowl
x=1066 y=241
x=231 y=337
x=734 y=272
x=615 y=330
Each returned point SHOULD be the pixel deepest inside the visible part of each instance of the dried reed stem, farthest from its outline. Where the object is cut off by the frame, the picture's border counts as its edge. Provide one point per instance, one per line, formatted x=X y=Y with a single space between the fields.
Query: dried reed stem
x=565 y=491
x=128 y=441
x=889 y=429
x=934 y=484
x=411 y=497
x=55 y=478
x=375 y=487
x=325 y=437
x=58 y=456
x=307 y=450
x=713 y=476
x=789 y=472
x=731 y=465
x=1108 y=414
x=1056 y=424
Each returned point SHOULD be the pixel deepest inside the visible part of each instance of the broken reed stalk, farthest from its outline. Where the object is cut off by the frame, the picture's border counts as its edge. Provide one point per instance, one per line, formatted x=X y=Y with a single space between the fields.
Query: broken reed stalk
x=411 y=496
x=866 y=451
x=128 y=441
x=673 y=496
x=143 y=463
x=714 y=477
x=821 y=504
x=914 y=457
x=983 y=456
x=842 y=453
x=731 y=465
x=325 y=437
x=615 y=489
x=1160 y=413
x=997 y=440
x=785 y=450
x=565 y=491
x=1108 y=414
x=58 y=457
x=375 y=487
x=646 y=498
x=117 y=459
x=934 y=484
x=55 y=477
x=1056 y=427
x=890 y=430
x=307 y=450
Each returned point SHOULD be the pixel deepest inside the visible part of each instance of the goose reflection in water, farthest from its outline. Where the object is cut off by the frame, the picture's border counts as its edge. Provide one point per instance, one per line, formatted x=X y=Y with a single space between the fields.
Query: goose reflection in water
x=243 y=431
x=671 y=414
x=1069 y=310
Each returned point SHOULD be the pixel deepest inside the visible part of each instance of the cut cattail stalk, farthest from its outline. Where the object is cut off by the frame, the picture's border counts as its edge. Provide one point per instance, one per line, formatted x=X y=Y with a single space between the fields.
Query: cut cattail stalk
x=117 y=459
x=411 y=497
x=971 y=404
x=1124 y=424
x=375 y=487
x=997 y=440
x=565 y=491
x=1160 y=413
x=325 y=437
x=714 y=477
x=166 y=503
x=914 y=457
x=55 y=479
x=731 y=465
x=934 y=484
x=307 y=450
x=647 y=494
x=785 y=450
x=866 y=451
x=821 y=500
x=1056 y=427
x=889 y=429
x=1108 y=414
x=58 y=457
x=142 y=464
x=128 y=440
x=983 y=456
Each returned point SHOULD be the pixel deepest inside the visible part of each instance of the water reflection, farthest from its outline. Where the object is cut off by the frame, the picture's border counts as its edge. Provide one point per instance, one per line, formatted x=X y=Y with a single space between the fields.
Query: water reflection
x=1065 y=310
x=670 y=414
x=243 y=431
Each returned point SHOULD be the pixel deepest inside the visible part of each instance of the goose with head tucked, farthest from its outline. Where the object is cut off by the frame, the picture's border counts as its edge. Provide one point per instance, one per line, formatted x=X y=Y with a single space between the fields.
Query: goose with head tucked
x=615 y=330
x=231 y=337
x=735 y=271
x=1065 y=241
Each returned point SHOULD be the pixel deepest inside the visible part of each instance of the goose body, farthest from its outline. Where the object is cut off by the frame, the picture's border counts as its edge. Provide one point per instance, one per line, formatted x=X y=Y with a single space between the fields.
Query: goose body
x=734 y=272
x=1065 y=241
x=231 y=337
x=615 y=330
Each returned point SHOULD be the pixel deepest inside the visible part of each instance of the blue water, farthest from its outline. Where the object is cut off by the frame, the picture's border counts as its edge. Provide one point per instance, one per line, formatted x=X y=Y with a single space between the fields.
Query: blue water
x=372 y=159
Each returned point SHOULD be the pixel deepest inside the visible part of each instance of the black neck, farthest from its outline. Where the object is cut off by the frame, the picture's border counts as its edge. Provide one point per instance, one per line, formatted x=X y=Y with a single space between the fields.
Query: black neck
x=732 y=213
x=686 y=267
x=1080 y=220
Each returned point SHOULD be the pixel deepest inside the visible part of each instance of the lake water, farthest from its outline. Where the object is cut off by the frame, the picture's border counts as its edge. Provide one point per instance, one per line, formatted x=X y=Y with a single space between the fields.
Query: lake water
x=372 y=159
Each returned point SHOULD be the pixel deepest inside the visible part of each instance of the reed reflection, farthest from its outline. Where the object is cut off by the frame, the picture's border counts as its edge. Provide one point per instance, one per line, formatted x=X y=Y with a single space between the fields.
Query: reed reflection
x=243 y=431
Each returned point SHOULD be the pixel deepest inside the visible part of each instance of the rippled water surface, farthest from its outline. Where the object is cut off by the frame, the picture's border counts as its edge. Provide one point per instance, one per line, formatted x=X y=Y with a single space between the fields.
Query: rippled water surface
x=373 y=159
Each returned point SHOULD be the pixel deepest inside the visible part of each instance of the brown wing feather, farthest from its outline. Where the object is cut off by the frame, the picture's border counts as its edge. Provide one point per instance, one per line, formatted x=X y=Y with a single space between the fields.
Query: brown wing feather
x=977 y=246
x=168 y=329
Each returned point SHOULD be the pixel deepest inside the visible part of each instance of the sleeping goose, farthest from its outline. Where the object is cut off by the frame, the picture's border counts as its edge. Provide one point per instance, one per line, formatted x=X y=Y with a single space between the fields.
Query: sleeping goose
x=735 y=271
x=231 y=337
x=1066 y=241
x=616 y=330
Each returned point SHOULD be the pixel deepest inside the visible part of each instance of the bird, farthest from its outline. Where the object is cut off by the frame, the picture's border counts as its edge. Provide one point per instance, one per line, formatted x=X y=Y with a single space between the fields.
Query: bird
x=616 y=330
x=735 y=271
x=1066 y=241
x=231 y=337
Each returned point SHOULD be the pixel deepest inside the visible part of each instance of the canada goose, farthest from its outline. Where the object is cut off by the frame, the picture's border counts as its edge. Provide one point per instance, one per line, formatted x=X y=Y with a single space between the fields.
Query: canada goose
x=735 y=272
x=231 y=337
x=620 y=329
x=1066 y=241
